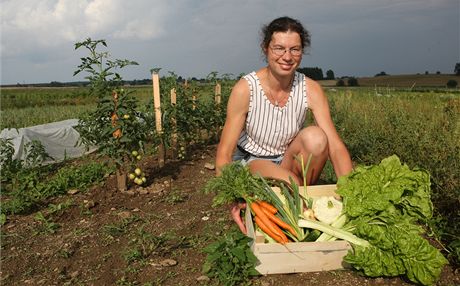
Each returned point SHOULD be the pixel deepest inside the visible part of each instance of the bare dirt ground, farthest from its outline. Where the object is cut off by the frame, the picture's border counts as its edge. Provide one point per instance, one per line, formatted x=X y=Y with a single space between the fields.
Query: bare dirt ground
x=145 y=236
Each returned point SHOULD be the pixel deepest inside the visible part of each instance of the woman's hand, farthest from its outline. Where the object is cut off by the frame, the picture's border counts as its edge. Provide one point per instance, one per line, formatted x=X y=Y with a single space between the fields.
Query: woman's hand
x=235 y=210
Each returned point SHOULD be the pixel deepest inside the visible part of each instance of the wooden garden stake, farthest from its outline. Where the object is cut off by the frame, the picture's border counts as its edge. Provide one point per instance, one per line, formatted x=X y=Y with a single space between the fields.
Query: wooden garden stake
x=174 y=124
x=173 y=97
x=157 y=109
x=193 y=99
x=217 y=93
x=217 y=99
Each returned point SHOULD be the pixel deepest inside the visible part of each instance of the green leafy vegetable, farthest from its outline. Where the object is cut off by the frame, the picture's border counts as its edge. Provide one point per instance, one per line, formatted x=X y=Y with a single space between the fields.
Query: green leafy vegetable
x=371 y=189
x=383 y=203
x=397 y=248
x=230 y=259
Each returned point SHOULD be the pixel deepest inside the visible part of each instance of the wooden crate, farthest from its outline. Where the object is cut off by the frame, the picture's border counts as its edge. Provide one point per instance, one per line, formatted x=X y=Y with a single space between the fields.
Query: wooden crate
x=294 y=257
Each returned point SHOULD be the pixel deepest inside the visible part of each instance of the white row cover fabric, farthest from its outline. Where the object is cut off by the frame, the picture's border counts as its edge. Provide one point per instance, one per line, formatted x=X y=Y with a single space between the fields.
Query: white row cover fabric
x=58 y=138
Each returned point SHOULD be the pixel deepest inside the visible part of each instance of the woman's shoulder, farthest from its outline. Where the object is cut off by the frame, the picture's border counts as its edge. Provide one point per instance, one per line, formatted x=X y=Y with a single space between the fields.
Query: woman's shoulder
x=241 y=86
x=312 y=85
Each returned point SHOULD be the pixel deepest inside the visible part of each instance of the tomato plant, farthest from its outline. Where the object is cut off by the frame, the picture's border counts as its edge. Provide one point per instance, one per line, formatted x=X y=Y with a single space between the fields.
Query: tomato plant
x=115 y=126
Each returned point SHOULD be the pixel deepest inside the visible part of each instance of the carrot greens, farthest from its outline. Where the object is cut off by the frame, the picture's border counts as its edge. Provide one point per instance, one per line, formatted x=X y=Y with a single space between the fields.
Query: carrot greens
x=235 y=183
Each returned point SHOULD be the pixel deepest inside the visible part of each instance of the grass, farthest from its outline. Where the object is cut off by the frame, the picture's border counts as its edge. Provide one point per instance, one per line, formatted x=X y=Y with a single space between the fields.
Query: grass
x=21 y=117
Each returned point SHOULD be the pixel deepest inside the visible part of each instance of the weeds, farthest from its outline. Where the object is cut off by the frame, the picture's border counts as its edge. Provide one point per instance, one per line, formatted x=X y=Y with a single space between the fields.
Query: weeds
x=45 y=226
x=175 y=197
x=120 y=228
x=31 y=187
x=230 y=260
x=59 y=208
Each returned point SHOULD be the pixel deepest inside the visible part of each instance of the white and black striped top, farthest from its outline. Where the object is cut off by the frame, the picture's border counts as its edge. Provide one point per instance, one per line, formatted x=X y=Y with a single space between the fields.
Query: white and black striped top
x=270 y=129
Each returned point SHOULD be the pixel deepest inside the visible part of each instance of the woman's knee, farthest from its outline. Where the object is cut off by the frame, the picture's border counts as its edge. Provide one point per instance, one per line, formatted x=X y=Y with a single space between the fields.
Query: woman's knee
x=314 y=140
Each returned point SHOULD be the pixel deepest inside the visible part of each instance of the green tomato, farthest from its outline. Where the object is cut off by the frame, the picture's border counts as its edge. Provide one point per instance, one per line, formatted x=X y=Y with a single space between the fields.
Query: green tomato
x=126 y=116
x=138 y=171
x=144 y=179
x=131 y=176
x=139 y=157
x=134 y=153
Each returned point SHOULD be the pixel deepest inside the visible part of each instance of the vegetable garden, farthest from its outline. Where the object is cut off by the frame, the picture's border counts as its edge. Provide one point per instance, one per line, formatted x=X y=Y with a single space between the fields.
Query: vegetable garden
x=58 y=214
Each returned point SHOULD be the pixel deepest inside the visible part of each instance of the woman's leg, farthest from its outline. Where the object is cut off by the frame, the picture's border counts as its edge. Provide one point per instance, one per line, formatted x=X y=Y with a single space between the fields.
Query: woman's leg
x=268 y=169
x=310 y=141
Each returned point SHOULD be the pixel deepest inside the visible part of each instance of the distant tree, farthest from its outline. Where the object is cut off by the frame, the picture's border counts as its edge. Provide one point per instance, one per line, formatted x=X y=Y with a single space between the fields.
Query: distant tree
x=226 y=76
x=426 y=72
x=382 y=73
x=340 y=82
x=330 y=74
x=313 y=73
x=457 y=69
x=352 y=81
x=56 y=84
x=438 y=72
x=452 y=83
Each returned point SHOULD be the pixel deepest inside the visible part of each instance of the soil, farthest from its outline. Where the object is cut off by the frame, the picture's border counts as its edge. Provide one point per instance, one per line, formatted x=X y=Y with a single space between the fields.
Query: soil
x=151 y=235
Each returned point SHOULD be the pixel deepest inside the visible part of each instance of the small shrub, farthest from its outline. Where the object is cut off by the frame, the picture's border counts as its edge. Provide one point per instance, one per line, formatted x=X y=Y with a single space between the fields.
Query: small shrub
x=340 y=82
x=352 y=81
x=452 y=83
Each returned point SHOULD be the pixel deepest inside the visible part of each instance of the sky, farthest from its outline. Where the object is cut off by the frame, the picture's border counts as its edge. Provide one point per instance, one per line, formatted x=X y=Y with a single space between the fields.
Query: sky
x=193 y=38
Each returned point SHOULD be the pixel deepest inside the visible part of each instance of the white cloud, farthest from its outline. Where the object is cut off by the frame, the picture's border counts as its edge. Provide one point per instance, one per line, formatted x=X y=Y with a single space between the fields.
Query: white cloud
x=194 y=37
x=30 y=25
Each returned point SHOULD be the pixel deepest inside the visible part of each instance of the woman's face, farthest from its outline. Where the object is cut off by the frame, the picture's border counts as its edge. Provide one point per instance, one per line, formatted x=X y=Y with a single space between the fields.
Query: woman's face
x=284 y=52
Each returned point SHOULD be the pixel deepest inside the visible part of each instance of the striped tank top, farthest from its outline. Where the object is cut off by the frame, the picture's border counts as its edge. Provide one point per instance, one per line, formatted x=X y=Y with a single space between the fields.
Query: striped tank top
x=269 y=129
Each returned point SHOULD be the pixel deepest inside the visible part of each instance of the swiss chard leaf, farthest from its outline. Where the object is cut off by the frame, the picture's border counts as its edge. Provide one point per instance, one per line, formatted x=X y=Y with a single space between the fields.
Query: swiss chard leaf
x=396 y=248
x=384 y=202
x=369 y=190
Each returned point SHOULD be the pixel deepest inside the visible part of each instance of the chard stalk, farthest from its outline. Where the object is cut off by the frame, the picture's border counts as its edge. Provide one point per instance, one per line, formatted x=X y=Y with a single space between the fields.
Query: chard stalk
x=339 y=233
x=338 y=223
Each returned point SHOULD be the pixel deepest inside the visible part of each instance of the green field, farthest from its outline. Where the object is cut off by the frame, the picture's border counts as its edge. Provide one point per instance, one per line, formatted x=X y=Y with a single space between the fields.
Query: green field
x=408 y=82
x=24 y=107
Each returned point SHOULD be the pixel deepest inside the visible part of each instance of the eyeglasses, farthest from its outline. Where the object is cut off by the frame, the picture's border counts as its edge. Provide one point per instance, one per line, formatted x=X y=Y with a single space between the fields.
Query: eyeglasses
x=280 y=51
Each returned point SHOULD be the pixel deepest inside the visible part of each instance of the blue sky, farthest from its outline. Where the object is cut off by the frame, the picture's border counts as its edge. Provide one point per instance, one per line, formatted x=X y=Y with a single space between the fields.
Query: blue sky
x=194 y=38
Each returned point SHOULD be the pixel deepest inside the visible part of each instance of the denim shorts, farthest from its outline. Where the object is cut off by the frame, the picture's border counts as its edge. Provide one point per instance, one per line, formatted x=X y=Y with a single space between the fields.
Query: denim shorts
x=245 y=157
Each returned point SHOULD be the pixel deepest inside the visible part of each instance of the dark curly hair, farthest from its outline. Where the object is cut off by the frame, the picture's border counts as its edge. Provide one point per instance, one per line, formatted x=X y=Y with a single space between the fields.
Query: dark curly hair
x=284 y=24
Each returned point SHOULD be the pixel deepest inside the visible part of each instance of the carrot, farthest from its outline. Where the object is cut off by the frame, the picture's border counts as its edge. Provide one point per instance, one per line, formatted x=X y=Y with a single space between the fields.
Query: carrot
x=265 y=229
x=279 y=222
x=268 y=207
x=272 y=226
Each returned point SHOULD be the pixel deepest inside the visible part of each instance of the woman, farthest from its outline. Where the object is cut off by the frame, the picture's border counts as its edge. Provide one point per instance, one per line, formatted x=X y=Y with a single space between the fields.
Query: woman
x=266 y=112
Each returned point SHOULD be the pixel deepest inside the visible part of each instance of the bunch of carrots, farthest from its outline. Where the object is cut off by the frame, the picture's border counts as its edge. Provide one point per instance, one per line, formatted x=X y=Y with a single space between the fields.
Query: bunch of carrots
x=268 y=222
